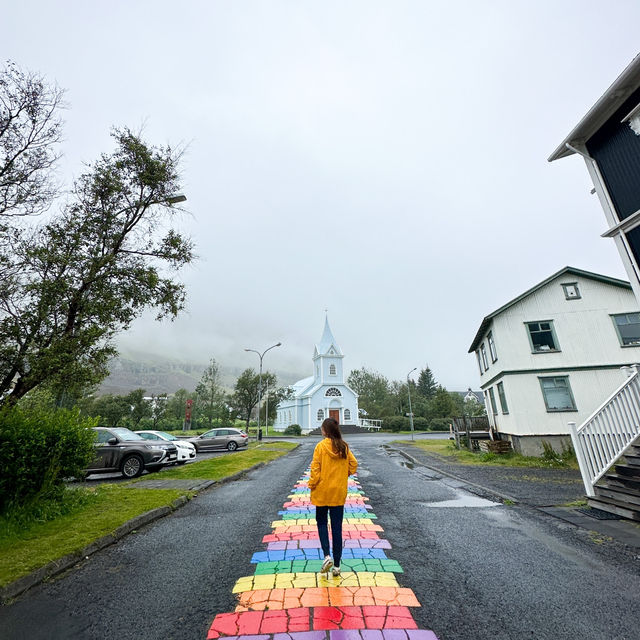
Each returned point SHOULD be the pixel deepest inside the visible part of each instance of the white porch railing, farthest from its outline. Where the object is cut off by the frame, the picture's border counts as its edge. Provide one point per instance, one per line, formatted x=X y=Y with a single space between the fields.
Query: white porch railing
x=370 y=424
x=604 y=436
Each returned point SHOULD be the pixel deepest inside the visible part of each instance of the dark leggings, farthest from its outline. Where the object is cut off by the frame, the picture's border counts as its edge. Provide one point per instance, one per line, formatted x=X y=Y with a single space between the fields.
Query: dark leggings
x=337 y=514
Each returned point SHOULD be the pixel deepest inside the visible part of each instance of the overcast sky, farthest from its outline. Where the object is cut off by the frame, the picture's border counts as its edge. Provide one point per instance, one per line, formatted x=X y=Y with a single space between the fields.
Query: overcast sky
x=383 y=160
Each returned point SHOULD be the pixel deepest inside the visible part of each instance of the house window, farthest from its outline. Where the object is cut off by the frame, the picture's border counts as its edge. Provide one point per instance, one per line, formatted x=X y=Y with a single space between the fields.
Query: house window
x=542 y=337
x=320 y=415
x=571 y=291
x=332 y=369
x=483 y=353
x=492 y=399
x=492 y=347
x=347 y=414
x=333 y=391
x=557 y=394
x=628 y=328
x=503 y=399
x=479 y=362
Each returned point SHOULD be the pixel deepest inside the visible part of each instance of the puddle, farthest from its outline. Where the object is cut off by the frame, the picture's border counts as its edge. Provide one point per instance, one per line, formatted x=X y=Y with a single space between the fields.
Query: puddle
x=464 y=499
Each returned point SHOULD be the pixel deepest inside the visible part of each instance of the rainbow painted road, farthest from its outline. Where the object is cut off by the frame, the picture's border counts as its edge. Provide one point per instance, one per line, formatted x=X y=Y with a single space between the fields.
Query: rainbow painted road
x=288 y=599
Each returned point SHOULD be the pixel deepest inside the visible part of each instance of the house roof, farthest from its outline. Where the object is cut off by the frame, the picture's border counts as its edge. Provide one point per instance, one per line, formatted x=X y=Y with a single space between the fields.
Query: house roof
x=567 y=270
x=626 y=83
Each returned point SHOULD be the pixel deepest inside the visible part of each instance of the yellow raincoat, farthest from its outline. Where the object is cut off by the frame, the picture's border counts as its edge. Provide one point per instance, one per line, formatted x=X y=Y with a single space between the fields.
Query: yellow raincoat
x=329 y=475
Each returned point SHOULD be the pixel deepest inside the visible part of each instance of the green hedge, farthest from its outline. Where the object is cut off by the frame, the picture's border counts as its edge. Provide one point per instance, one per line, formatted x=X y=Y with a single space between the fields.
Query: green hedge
x=293 y=430
x=440 y=424
x=39 y=449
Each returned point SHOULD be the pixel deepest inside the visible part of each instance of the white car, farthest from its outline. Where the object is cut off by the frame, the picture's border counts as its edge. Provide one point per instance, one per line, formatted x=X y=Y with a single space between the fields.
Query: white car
x=186 y=451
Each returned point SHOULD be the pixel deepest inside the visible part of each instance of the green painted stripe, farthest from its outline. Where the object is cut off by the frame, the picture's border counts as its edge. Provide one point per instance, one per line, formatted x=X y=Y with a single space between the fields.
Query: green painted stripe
x=314 y=566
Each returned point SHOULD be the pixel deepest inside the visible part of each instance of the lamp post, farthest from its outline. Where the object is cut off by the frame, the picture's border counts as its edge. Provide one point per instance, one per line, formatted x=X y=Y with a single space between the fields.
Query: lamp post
x=261 y=355
x=409 y=392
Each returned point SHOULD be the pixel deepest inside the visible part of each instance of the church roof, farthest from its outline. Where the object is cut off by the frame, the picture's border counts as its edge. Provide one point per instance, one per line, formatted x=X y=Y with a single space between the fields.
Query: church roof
x=302 y=385
x=327 y=341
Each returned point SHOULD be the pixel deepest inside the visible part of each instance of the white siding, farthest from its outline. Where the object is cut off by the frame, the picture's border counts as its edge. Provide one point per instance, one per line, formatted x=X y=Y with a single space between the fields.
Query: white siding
x=586 y=337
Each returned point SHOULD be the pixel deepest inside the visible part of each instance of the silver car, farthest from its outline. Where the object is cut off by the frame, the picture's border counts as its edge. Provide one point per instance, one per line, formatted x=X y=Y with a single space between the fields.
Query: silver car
x=220 y=438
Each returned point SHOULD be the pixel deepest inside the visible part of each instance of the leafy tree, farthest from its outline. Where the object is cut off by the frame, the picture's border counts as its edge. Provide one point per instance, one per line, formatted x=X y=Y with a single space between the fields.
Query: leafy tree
x=247 y=392
x=158 y=409
x=210 y=396
x=30 y=130
x=427 y=385
x=89 y=272
x=139 y=407
x=443 y=404
x=373 y=389
x=176 y=405
x=275 y=396
x=112 y=409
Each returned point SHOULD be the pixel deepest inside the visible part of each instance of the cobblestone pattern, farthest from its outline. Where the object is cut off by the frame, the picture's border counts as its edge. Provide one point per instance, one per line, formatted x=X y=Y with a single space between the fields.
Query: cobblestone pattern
x=288 y=599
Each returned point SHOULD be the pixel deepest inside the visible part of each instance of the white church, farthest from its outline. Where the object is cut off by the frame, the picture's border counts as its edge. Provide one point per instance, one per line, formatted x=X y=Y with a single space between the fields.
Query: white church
x=322 y=395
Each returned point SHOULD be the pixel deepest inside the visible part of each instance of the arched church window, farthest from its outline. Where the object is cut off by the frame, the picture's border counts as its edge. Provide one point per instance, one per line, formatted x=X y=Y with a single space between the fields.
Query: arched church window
x=320 y=414
x=333 y=391
x=347 y=414
x=332 y=369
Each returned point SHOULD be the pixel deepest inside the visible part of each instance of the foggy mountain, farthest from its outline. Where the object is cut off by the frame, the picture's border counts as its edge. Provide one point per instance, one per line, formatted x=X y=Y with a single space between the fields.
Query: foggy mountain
x=158 y=374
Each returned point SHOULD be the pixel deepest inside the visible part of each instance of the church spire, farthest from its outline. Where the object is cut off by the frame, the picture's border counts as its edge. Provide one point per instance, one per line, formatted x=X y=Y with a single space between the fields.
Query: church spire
x=327 y=341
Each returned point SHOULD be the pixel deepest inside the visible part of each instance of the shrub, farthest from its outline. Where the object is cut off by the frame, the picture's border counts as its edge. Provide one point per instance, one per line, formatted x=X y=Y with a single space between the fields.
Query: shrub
x=396 y=423
x=293 y=430
x=420 y=423
x=440 y=424
x=39 y=449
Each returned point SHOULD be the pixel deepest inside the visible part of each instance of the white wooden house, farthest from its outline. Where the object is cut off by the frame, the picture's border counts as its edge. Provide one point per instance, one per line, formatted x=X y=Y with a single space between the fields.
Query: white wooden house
x=554 y=353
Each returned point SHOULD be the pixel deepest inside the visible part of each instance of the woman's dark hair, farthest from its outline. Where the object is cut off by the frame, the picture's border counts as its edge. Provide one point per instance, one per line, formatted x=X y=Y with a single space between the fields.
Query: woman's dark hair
x=332 y=430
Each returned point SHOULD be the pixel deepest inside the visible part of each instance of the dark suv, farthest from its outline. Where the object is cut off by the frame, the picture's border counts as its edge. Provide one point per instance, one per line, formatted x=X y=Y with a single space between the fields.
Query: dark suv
x=119 y=449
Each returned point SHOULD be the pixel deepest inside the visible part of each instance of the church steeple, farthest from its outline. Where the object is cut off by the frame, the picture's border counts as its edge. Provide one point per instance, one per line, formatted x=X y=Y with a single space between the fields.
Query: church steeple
x=327 y=342
x=327 y=357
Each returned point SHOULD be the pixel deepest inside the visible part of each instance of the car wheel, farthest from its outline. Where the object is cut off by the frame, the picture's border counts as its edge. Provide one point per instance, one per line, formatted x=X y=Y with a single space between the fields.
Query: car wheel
x=181 y=462
x=232 y=446
x=132 y=466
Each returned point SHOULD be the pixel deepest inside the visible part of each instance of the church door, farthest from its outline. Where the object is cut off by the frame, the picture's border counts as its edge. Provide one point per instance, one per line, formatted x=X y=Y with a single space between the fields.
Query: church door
x=335 y=414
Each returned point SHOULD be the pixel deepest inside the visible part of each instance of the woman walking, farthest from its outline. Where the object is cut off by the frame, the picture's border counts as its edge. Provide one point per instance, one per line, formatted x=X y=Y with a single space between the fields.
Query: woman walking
x=331 y=467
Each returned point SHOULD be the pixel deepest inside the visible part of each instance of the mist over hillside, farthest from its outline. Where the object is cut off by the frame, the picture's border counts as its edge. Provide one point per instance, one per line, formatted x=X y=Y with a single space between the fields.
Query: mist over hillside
x=157 y=374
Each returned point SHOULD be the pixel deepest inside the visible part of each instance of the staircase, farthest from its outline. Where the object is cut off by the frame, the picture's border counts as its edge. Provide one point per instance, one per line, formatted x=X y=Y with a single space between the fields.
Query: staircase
x=607 y=447
x=618 y=491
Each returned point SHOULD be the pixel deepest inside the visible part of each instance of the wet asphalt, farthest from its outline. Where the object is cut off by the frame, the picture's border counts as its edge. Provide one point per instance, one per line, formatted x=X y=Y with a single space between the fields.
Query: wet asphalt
x=480 y=569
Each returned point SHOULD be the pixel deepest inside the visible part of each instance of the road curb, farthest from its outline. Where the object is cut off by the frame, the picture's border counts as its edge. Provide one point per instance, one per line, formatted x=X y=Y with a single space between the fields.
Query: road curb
x=55 y=567
x=500 y=496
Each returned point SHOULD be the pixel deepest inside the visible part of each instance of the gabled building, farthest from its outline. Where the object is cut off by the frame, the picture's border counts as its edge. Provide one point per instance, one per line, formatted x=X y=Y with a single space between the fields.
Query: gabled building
x=322 y=395
x=608 y=139
x=553 y=354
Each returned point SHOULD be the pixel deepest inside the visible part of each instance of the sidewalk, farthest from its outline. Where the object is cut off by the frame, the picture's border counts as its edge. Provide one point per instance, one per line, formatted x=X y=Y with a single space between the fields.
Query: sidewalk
x=544 y=489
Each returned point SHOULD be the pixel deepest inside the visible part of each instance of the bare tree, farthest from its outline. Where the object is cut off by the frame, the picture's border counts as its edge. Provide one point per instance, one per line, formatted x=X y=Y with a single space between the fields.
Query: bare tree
x=30 y=130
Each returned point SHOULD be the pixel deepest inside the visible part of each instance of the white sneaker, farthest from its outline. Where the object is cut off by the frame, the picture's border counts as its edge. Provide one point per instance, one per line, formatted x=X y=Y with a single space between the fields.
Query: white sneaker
x=326 y=565
x=335 y=571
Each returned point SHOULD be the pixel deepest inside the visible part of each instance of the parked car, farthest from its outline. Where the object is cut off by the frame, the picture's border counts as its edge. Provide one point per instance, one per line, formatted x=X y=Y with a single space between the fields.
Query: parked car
x=119 y=449
x=186 y=450
x=230 y=439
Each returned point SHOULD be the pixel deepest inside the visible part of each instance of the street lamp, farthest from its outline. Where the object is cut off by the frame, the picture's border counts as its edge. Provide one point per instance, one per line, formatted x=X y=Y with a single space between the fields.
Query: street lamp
x=261 y=355
x=409 y=392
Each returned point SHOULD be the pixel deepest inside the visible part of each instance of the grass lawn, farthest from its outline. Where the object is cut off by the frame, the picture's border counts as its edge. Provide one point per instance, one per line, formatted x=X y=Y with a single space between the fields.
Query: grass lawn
x=109 y=507
x=24 y=549
x=446 y=449
x=227 y=465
